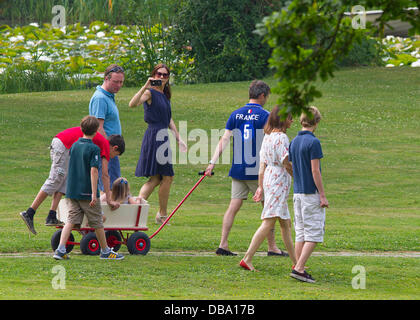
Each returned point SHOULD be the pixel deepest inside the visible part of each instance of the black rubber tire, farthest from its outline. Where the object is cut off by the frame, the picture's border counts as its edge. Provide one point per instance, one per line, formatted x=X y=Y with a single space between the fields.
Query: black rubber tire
x=113 y=239
x=138 y=243
x=55 y=241
x=89 y=244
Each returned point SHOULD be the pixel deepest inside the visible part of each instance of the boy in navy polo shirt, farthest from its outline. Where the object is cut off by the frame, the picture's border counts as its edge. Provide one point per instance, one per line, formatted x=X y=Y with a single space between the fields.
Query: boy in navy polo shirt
x=309 y=200
x=82 y=196
x=246 y=125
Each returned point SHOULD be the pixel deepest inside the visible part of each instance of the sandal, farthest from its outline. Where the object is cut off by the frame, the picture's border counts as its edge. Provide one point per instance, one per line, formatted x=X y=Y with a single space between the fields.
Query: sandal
x=160 y=219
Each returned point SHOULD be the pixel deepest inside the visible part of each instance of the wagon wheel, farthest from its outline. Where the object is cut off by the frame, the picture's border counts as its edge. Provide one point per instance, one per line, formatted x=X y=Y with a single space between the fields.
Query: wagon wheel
x=113 y=239
x=138 y=243
x=90 y=245
x=55 y=241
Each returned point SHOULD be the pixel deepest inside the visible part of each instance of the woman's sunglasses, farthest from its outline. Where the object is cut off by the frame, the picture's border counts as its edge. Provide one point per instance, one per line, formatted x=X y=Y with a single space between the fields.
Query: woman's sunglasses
x=162 y=75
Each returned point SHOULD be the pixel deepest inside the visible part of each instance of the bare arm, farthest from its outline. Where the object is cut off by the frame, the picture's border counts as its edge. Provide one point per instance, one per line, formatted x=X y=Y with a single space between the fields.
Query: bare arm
x=107 y=185
x=258 y=194
x=223 y=142
x=101 y=129
x=316 y=174
x=288 y=166
x=94 y=185
x=181 y=143
x=141 y=96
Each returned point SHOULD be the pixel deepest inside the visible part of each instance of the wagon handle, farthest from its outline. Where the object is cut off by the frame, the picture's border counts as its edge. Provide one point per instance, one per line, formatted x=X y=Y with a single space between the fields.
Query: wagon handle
x=201 y=173
x=177 y=207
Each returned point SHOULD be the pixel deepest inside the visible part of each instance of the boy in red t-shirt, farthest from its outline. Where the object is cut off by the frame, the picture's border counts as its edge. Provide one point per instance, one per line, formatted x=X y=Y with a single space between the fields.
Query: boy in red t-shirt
x=55 y=185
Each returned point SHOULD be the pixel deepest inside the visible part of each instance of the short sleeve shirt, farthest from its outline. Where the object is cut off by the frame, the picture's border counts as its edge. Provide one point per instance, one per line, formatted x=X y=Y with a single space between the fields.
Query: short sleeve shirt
x=71 y=135
x=304 y=148
x=84 y=155
x=247 y=125
x=102 y=105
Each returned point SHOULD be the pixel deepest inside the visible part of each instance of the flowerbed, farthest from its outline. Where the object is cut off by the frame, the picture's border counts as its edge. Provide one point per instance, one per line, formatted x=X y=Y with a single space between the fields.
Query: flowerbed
x=401 y=51
x=80 y=54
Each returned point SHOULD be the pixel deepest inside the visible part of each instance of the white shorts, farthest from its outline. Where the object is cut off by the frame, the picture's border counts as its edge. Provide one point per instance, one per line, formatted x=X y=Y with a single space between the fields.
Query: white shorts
x=59 y=165
x=309 y=218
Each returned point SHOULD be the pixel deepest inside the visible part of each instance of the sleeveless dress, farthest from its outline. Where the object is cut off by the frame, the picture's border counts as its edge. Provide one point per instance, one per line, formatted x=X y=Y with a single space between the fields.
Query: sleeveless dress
x=277 y=181
x=156 y=154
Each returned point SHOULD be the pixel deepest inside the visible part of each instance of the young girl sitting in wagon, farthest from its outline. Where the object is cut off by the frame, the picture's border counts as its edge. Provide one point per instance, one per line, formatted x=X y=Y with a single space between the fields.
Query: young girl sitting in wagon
x=120 y=192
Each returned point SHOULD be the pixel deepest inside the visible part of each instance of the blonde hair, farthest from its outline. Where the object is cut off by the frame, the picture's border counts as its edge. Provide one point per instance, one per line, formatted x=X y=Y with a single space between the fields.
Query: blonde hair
x=120 y=189
x=311 y=119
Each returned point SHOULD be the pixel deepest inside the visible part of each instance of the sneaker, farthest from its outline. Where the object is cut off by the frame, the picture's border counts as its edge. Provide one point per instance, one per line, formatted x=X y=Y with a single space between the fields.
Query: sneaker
x=53 y=222
x=223 y=252
x=29 y=221
x=305 y=277
x=111 y=255
x=58 y=255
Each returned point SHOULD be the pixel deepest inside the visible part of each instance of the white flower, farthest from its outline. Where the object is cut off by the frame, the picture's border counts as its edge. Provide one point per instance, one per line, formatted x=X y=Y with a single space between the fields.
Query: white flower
x=34 y=24
x=389 y=65
x=100 y=34
x=92 y=42
x=416 y=64
x=117 y=31
x=45 y=58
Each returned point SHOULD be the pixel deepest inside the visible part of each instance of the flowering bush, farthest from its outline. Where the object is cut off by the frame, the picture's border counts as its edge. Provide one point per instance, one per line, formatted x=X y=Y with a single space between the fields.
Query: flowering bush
x=401 y=51
x=81 y=53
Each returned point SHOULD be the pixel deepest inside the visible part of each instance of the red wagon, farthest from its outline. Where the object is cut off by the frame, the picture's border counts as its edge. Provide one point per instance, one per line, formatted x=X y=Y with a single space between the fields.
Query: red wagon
x=122 y=226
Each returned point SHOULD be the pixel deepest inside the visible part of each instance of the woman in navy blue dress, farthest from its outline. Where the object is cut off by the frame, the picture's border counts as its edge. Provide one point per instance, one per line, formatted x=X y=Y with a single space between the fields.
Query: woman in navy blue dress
x=155 y=159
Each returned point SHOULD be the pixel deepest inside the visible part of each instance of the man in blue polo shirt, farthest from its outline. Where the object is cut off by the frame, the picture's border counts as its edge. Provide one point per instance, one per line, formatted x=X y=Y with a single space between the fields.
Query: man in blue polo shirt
x=246 y=125
x=102 y=105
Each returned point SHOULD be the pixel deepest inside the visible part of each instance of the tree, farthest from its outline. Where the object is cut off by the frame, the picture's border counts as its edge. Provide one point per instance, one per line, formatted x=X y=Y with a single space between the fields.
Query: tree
x=308 y=36
x=219 y=35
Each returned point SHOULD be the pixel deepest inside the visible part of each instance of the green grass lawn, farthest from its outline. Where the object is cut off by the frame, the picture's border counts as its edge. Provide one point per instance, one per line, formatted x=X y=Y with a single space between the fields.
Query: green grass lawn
x=370 y=140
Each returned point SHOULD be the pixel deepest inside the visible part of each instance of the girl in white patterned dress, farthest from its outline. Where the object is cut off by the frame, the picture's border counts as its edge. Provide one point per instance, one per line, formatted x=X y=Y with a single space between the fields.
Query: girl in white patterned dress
x=275 y=176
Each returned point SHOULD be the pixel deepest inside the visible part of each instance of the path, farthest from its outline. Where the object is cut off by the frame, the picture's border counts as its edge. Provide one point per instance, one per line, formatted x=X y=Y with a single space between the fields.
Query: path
x=385 y=254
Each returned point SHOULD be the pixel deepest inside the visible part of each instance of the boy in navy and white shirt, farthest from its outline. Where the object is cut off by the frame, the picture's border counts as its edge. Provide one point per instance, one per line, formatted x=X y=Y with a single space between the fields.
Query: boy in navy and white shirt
x=246 y=125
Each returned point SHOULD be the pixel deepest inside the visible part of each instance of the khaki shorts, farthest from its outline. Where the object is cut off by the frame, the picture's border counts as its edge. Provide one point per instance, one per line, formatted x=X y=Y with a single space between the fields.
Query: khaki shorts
x=309 y=217
x=79 y=208
x=241 y=188
x=60 y=156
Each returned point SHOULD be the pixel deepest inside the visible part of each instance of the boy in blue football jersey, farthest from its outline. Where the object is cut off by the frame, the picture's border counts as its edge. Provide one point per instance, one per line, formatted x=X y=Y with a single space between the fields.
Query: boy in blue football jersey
x=246 y=125
x=309 y=200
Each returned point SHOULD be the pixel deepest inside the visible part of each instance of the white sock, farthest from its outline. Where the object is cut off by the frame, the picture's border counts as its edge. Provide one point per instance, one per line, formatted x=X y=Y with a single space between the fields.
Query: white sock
x=106 y=250
x=62 y=248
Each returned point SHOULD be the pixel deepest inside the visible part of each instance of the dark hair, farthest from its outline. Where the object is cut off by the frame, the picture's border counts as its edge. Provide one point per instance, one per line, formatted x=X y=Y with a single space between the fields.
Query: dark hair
x=89 y=125
x=117 y=140
x=167 y=89
x=257 y=87
x=274 y=121
x=113 y=68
